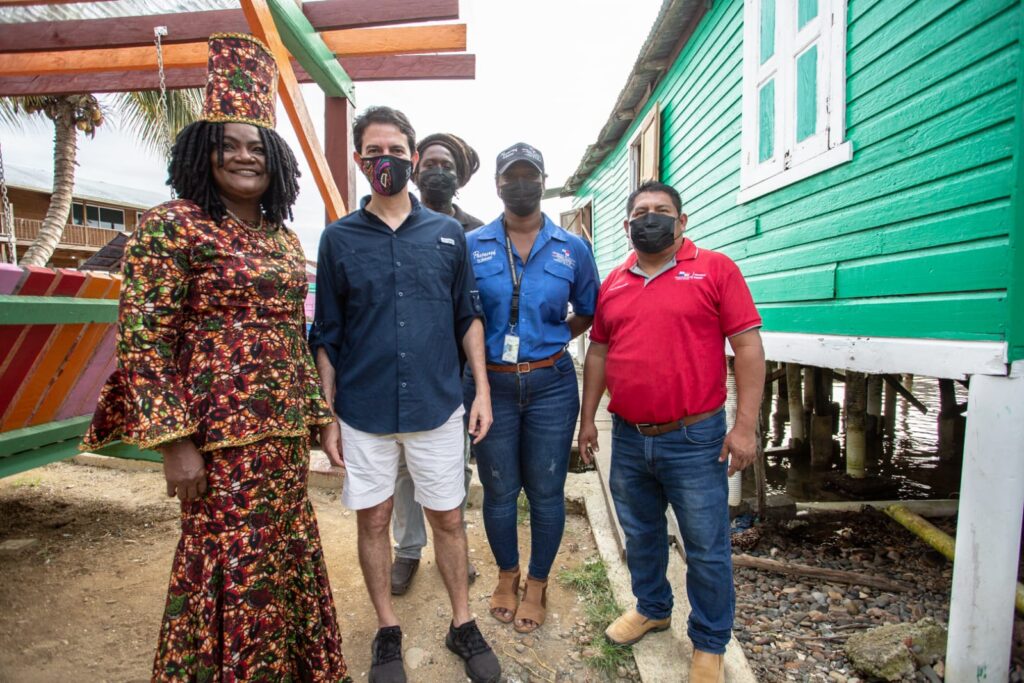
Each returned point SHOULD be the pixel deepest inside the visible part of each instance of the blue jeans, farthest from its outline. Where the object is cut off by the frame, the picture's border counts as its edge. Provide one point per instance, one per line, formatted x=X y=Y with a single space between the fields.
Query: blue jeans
x=527 y=449
x=680 y=469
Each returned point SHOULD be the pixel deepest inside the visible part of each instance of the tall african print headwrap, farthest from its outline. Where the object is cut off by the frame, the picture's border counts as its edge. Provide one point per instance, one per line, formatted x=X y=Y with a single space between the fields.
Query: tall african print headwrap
x=241 y=83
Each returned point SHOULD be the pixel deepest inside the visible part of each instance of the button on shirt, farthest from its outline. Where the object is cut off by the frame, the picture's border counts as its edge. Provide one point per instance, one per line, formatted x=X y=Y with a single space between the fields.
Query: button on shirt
x=666 y=333
x=559 y=270
x=392 y=307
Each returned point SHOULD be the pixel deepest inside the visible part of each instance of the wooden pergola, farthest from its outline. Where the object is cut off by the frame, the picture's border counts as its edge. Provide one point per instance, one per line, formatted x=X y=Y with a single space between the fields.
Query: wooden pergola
x=328 y=42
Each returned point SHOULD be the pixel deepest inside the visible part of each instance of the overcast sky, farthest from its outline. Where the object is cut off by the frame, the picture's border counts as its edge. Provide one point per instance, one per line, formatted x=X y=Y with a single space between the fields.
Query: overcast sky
x=548 y=73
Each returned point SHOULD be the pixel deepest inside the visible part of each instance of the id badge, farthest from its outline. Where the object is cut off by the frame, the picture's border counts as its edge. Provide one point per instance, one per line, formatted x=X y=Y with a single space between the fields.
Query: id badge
x=510 y=352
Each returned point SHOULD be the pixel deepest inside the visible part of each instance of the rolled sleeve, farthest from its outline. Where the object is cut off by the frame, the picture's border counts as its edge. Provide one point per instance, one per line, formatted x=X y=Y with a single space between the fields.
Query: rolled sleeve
x=328 y=318
x=737 y=310
x=466 y=303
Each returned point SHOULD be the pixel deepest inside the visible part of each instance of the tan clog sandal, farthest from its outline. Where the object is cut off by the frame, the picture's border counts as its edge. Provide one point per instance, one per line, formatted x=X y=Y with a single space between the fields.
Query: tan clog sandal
x=534 y=607
x=505 y=597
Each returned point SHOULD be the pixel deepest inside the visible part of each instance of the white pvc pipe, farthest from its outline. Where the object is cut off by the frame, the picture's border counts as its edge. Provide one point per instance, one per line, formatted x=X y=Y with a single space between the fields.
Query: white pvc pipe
x=988 y=532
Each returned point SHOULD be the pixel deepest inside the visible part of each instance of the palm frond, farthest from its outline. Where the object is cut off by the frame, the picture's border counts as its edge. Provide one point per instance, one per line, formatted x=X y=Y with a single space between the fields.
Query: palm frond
x=14 y=115
x=141 y=113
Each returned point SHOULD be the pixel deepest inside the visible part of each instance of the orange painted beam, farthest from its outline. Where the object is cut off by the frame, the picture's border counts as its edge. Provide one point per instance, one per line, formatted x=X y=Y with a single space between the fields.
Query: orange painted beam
x=109 y=287
x=62 y=342
x=262 y=24
x=22 y=3
x=356 y=42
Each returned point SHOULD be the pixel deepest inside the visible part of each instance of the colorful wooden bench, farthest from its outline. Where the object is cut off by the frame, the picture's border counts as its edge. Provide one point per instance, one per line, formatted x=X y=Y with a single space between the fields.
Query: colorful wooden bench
x=56 y=350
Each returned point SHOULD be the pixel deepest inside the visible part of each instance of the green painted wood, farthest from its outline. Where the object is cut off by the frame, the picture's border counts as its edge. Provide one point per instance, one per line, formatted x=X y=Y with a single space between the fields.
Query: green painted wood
x=767 y=29
x=28 y=438
x=119 y=449
x=932 y=115
x=27 y=460
x=806 y=10
x=309 y=49
x=766 y=119
x=38 y=310
x=806 y=93
x=1015 y=334
x=808 y=284
x=968 y=267
x=952 y=316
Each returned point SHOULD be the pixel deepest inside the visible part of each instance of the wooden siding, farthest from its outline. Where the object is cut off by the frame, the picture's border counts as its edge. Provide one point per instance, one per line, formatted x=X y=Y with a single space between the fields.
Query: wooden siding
x=915 y=236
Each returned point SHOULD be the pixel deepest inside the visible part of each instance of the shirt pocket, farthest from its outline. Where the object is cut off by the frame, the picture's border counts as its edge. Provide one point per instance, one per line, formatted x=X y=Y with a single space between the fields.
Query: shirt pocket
x=558 y=281
x=368 y=277
x=435 y=268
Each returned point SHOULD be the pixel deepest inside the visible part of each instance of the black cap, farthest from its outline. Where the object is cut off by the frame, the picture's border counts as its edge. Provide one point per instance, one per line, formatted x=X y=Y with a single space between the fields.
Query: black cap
x=520 y=152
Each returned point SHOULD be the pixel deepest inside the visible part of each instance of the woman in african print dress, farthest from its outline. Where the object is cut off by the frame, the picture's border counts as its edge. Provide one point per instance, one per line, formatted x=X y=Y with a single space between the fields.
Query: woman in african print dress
x=214 y=372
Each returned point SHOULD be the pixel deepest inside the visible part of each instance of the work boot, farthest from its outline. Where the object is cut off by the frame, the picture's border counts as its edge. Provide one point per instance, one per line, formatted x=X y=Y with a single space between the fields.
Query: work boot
x=632 y=626
x=467 y=642
x=402 y=571
x=386 y=665
x=707 y=668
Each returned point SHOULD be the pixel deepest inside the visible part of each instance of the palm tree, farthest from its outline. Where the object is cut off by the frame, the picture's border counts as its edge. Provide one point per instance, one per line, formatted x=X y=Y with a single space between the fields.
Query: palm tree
x=141 y=112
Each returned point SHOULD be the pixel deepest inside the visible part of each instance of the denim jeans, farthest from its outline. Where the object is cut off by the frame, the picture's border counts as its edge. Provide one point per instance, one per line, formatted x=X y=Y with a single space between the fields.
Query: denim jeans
x=680 y=469
x=527 y=449
x=407 y=524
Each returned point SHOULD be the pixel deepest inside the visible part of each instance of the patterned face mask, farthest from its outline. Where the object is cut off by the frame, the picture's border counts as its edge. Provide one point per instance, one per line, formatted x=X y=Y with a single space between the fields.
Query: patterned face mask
x=387 y=174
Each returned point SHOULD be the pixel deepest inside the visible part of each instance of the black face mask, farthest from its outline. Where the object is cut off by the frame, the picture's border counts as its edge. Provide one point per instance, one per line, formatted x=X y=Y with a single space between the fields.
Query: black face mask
x=521 y=197
x=438 y=186
x=652 y=232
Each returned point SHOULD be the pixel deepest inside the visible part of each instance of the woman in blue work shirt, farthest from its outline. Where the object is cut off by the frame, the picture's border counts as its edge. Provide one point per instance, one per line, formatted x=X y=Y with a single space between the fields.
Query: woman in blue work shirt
x=528 y=271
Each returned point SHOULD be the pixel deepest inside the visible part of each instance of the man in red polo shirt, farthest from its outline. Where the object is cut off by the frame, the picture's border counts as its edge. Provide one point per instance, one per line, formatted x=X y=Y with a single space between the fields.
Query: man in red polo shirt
x=658 y=345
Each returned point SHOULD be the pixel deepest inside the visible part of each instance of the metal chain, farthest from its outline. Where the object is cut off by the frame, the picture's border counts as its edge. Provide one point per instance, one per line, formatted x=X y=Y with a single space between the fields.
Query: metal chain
x=165 y=115
x=7 y=218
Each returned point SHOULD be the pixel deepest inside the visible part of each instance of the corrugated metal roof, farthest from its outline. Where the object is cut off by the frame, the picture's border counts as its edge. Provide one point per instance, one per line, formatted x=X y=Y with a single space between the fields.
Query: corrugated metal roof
x=654 y=60
x=111 y=8
x=97 y=190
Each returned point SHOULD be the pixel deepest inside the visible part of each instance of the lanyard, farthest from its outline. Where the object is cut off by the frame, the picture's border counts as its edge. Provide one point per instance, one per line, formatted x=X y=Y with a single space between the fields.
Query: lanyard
x=513 y=318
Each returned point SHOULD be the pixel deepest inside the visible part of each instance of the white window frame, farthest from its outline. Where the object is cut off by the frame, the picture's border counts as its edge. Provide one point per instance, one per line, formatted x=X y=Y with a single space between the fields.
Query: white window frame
x=792 y=161
x=637 y=147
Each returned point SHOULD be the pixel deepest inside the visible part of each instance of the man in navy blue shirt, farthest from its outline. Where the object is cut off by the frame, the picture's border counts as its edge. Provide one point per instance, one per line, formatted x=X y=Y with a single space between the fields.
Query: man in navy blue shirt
x=395 y=299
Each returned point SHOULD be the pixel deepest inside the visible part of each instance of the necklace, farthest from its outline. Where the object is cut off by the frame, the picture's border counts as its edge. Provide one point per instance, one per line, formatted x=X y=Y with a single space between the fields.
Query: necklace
x=245 y=222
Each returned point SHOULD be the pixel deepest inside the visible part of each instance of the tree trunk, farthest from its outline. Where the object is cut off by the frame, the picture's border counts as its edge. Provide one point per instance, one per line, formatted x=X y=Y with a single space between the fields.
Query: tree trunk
x=65 y=149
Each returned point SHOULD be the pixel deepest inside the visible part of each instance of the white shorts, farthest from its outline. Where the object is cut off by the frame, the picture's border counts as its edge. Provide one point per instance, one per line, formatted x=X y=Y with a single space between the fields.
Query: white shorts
x=434 y=458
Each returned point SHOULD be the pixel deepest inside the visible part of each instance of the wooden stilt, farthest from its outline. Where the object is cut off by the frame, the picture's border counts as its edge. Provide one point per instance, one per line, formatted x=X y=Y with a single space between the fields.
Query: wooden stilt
x=988 y=535
x=950 y=422
x=781 y=415
x=766 y=401
x=856 y=414
x=794 y=387
x=873 y=425
x=889 y=412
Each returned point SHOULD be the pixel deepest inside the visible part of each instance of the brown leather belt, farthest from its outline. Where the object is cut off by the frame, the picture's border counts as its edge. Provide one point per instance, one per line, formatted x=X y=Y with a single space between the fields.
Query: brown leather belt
x=649 y=429
x=529 y=366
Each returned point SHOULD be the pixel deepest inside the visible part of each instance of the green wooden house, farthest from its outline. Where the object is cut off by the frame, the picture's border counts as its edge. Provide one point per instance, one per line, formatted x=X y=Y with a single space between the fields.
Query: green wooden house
x=860 y=160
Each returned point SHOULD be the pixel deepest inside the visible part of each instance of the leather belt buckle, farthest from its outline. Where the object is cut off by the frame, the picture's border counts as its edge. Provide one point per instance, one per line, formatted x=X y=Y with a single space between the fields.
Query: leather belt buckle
x=520 y=366
x=641 y=427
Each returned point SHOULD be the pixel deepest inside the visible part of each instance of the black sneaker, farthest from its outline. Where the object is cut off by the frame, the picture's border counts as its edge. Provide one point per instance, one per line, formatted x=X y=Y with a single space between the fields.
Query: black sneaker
x=467 y=642
x=386 y=666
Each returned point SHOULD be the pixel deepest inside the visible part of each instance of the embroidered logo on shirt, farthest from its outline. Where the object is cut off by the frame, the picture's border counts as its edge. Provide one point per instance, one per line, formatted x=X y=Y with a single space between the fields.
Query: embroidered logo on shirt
x=564 y=257
x=446 y=240
x=686 y=275
x=484 y=256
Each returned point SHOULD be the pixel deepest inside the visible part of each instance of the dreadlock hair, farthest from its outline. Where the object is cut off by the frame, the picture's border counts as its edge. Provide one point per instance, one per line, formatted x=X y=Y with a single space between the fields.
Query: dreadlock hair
x=467 y=162
x=191 y=175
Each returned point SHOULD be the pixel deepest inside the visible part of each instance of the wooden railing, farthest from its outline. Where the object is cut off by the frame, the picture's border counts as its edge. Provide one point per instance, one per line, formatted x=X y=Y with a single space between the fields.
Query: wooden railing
x=74 y=235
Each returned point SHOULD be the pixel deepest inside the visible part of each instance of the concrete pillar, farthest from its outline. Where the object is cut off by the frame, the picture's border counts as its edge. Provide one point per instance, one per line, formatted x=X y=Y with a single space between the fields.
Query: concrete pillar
x=856 y=422
x=781 y=415
x=797 y=430
x=822 y=418
x=988 y=532
x=889 y=412
x=873 y=426
x=766 y=401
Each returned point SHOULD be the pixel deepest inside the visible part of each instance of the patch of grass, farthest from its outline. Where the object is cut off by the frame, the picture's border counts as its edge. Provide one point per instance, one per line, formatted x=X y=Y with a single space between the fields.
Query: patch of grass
x=30 y=481
x=522 y=508
x=590 y=580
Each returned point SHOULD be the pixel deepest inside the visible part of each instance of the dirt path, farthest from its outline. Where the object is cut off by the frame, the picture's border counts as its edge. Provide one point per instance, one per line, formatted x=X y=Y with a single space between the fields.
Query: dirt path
x=84 y=601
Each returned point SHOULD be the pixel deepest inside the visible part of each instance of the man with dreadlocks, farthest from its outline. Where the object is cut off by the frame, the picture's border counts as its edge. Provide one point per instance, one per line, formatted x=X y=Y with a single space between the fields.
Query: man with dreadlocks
x=445 y=165
x=213 y=372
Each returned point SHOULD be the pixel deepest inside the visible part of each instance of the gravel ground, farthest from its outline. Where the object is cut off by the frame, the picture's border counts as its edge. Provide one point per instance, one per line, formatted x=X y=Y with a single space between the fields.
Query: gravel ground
x=793 y=628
